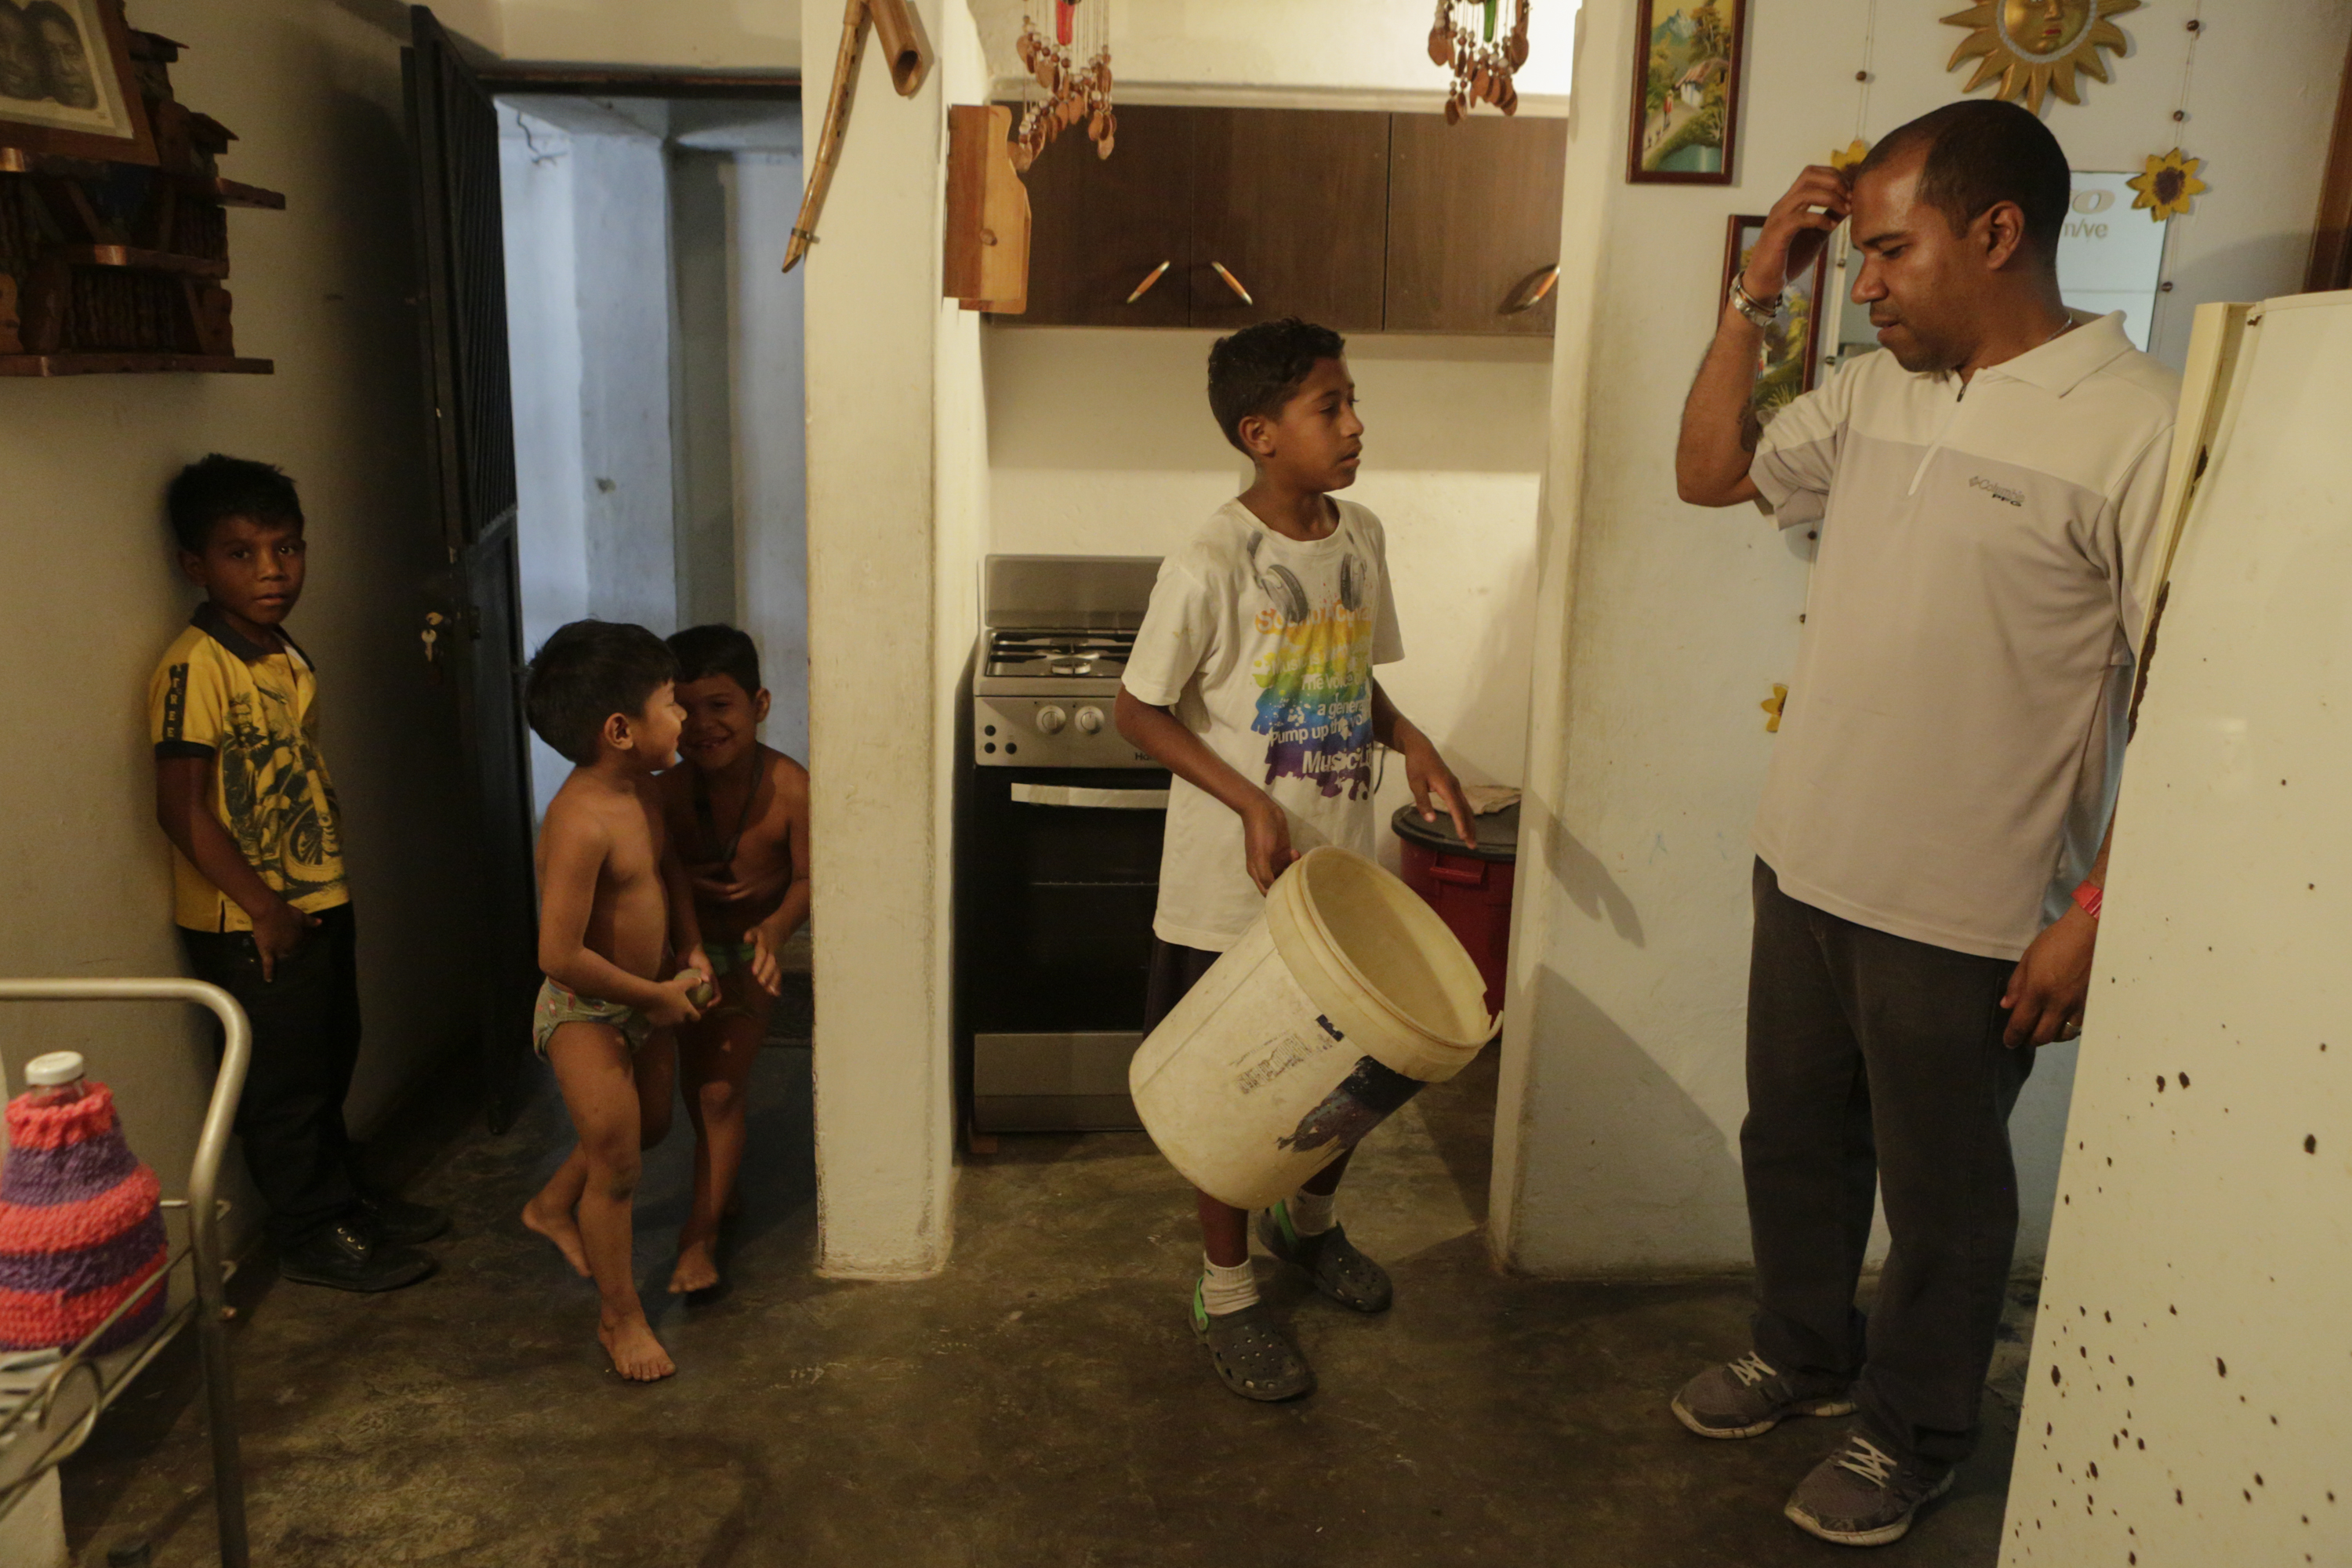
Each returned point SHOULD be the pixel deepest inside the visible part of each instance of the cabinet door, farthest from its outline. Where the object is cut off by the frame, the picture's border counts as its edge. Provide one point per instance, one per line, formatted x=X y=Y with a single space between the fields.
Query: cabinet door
x=1473 y=215
x=1294 y=202
x=1099 y=225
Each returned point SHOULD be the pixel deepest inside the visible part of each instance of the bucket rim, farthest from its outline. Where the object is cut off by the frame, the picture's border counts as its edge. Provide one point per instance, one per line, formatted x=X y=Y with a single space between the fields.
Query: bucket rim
x=1305 y=911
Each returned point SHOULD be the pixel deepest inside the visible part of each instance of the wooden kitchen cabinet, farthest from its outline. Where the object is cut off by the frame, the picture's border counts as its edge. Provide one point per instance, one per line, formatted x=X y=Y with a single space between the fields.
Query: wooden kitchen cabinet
x=1099 y=225
x=1294 y=203
x=1473 y=219
x=1364 y=222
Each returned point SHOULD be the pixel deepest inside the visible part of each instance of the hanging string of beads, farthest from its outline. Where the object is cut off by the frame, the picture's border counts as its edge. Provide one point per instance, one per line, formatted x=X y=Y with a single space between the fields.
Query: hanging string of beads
x=1465 y=37
x=2168 y=184
x=1073 y=69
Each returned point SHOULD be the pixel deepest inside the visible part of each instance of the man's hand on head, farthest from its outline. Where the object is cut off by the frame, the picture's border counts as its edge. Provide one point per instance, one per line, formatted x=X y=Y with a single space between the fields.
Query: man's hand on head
x=2048 y=989
x=1799 y=225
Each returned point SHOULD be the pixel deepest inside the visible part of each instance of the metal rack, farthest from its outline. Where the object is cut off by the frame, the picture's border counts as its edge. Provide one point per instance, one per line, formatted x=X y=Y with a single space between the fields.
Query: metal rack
x=62 y=1409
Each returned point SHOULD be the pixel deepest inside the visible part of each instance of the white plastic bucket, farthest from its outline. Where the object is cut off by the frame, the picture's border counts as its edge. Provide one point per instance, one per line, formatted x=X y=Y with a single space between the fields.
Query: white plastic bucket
x=1346 y=997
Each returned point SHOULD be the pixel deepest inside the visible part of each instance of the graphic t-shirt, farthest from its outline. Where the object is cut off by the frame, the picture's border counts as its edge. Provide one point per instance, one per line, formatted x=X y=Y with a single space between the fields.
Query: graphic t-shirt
x=256 y=709
x=1263 y=646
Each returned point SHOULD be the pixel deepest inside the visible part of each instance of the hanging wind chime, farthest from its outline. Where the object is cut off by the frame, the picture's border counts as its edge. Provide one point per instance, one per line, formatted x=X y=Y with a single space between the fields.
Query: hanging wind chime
x=2168 y=184
x=1466 y=37
x=1073 y=67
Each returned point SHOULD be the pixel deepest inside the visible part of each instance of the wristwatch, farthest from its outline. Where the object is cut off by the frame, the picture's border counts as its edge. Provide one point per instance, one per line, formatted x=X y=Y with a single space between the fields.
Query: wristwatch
x=1759 y=312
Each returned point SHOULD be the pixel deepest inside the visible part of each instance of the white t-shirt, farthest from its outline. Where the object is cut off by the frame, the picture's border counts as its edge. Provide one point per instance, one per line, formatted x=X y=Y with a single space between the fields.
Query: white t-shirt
x=1948 y=758
x=1263 y=646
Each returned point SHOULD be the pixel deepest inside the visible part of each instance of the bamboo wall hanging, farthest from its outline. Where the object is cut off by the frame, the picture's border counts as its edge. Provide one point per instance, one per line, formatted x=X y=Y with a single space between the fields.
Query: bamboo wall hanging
x=909 y=51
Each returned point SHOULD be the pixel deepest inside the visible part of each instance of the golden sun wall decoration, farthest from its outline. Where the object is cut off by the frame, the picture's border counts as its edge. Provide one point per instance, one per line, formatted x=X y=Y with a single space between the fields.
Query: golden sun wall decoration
x=2036 y=46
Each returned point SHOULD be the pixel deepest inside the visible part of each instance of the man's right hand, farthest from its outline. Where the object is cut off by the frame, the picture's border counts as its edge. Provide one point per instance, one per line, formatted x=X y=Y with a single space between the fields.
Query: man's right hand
x=1266 y=838
x=278 y=931
x=1798 y=226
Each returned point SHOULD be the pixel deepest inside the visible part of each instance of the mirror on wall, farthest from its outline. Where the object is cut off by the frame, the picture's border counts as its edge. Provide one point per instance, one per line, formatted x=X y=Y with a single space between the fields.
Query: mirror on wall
x=2110 y=258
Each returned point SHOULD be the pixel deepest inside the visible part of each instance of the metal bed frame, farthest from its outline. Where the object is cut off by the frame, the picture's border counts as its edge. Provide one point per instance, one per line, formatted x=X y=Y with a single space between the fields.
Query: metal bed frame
x=104 y=1380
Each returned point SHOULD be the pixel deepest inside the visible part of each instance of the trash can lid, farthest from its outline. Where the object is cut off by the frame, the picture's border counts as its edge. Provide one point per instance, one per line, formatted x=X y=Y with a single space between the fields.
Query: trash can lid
x=1498 y=833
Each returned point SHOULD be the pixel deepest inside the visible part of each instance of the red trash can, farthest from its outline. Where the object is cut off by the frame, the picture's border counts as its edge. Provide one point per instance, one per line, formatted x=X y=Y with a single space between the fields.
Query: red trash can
x=1469 y=888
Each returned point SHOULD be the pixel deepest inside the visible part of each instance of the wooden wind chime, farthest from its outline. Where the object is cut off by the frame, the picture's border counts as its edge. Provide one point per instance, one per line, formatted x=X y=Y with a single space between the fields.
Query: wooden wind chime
x=1466 y=37
x=1073 y=67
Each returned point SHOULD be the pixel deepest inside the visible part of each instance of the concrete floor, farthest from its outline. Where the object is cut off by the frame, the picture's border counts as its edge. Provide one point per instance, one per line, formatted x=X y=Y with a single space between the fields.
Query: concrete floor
x=1039 y=1404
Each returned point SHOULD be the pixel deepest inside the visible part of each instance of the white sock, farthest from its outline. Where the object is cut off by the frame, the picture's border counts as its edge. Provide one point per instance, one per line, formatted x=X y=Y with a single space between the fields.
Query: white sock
x=1224 y=1289
x=1311 y=1213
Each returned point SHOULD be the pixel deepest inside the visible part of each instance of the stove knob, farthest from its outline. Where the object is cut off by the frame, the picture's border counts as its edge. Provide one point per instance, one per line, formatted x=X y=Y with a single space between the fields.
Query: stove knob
x=1090 y=720
x=1051 y=719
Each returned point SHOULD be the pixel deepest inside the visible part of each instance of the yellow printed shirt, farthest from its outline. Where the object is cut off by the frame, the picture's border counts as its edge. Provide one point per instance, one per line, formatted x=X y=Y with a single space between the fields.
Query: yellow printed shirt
x=256 y=711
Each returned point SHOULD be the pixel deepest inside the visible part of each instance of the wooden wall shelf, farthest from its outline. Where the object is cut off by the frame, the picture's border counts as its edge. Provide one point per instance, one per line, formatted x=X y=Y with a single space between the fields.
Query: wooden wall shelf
x=112 y=268
x=141 y=260
x=120 y=364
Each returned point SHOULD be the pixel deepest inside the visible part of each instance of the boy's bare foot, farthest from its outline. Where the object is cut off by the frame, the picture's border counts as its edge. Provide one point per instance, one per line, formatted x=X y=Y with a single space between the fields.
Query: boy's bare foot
x=636 y=1354
x=697 y=1268
x=557 y=1225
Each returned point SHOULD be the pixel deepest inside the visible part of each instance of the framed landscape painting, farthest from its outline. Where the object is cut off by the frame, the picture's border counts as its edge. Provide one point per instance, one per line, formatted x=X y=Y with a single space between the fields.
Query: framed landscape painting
x=1786 y=362
x=66 y=84
x=1686 y=67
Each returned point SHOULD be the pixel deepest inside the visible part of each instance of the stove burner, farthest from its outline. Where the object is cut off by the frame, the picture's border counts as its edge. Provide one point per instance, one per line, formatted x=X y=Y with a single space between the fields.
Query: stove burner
x=1069 y=654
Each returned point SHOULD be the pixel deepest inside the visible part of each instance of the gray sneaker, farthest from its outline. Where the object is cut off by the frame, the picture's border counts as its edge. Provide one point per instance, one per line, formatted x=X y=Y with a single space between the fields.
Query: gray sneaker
x=1862 y=1495
x=1747 y=1397
x=1251 y=1355
x=1329 y=1259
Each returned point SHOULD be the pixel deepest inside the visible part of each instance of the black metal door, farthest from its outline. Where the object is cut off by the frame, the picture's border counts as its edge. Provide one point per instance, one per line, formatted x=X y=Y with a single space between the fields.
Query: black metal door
x=452 y=131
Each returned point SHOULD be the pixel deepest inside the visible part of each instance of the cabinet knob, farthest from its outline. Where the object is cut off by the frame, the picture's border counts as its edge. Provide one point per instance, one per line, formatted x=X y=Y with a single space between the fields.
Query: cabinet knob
x=1532 y=289
x=1150 y=279
x=1231 y=282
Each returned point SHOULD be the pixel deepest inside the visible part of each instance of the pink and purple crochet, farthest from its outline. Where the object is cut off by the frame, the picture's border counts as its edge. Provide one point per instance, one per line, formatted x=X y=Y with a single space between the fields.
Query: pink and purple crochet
x=80 y=1229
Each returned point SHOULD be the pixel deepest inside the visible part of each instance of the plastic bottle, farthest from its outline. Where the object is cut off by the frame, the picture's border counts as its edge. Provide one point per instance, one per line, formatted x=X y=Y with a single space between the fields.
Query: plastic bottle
x=55 y=1079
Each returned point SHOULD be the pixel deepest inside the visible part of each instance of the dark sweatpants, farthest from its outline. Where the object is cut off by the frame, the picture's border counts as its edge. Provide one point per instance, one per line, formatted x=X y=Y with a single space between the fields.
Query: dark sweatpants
x=306 y=1040
x=1875 y=1063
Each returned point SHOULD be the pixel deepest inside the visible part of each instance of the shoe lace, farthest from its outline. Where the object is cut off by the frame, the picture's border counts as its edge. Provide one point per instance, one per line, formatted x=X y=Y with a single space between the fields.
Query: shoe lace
x=1751 y=1369
x=1867 y=1459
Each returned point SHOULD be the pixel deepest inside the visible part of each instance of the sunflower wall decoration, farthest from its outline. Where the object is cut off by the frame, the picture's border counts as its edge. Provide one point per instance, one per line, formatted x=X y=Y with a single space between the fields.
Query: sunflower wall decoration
x=2170 y=186
x=2036 y=46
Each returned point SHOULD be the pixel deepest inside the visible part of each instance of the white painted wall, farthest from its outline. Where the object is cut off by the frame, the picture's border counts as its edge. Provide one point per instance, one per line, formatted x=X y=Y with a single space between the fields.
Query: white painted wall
x=93 y=598
x=1101 y=443
x=675 y=35
x=895 y=503
x=1660 y=627
x=1232 y=50
x=769 y=402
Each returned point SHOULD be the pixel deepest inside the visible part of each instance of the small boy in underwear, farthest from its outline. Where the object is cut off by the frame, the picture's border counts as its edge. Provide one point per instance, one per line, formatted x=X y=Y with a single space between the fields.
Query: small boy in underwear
x=615 y=916
x=739 y=813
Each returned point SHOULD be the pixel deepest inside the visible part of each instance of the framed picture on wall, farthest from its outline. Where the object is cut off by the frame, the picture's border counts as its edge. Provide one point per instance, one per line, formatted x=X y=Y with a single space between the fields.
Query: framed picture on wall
x=1686 y=64
x=66 y=84
x=1786 y=363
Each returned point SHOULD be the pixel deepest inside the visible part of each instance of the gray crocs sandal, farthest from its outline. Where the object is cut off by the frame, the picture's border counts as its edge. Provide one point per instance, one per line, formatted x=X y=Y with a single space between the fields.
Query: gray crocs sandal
x=1251 y=1355
x=1329 y=1260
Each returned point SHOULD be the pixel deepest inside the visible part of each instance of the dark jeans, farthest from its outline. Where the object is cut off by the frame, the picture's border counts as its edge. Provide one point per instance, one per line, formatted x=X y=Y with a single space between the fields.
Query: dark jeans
x=1174 y=971
x=1875 y=1064
x=306 y=1040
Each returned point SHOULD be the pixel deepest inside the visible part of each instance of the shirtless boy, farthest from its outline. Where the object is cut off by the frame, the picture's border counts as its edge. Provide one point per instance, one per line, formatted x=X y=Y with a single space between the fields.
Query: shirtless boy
x=739 y=813
x=614 y=910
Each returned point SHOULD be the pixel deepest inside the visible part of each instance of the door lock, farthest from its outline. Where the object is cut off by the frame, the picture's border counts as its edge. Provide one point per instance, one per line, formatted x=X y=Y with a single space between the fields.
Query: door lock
x=431 y=635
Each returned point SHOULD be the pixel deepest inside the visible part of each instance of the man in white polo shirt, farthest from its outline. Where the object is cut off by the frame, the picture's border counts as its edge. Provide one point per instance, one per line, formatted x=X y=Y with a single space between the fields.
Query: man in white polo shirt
x=1931 y=841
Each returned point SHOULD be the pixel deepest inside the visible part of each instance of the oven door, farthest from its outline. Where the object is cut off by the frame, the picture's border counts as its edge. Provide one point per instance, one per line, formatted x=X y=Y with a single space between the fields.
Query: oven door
x=1061 y=875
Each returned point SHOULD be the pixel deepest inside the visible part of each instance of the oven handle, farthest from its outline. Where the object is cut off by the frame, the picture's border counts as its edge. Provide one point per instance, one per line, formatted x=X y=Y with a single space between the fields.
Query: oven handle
x=1099 y=799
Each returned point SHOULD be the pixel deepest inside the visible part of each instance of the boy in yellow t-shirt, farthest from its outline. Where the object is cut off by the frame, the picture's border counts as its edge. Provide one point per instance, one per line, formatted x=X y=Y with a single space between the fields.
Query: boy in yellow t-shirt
x=257 y=872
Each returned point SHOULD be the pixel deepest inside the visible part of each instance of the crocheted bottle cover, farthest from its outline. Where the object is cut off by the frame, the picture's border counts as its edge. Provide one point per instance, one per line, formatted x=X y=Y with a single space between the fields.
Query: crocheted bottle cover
x=80 y=1229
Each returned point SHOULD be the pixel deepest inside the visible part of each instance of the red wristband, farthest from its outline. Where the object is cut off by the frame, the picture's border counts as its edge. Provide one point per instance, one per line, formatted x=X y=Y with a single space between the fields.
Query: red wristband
x=2089 y=896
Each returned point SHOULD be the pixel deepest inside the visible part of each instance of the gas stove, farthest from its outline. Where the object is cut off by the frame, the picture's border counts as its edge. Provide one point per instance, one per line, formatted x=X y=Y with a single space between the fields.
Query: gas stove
x=1055 y=638
x=1058 y=851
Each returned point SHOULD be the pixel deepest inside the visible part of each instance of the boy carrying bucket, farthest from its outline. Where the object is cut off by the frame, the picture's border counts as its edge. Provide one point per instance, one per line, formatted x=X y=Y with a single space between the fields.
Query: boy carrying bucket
x=1251 y=681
